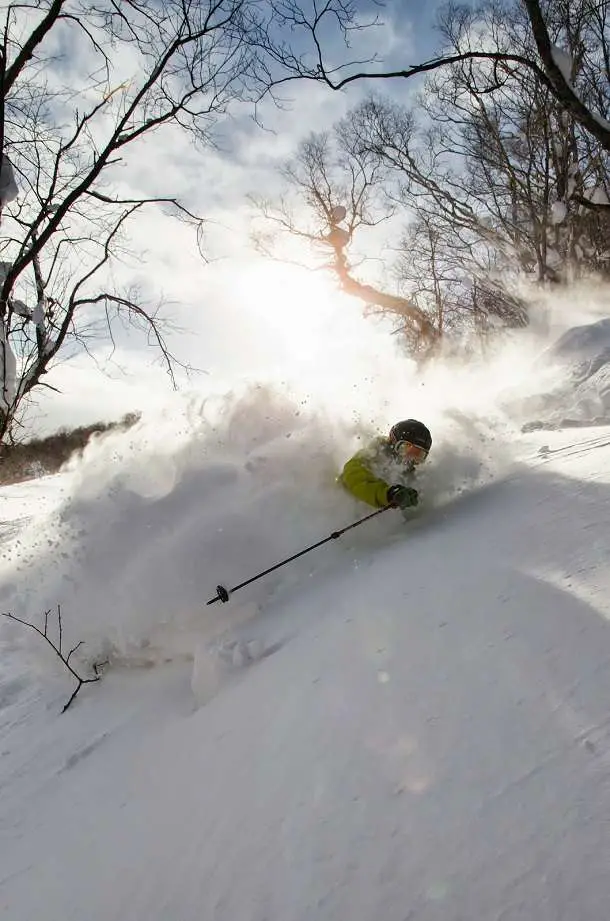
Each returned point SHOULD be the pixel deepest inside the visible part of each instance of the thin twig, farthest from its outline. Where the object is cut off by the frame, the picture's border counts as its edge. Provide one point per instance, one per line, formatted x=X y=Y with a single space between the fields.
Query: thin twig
x=58 y=650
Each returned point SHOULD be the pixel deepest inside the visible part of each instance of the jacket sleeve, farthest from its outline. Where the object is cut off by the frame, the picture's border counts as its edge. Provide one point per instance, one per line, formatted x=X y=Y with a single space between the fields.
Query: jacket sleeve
x=362 y=483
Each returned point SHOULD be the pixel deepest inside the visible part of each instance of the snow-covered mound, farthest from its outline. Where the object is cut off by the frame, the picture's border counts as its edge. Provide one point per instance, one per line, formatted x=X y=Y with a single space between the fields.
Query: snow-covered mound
x=581 y=396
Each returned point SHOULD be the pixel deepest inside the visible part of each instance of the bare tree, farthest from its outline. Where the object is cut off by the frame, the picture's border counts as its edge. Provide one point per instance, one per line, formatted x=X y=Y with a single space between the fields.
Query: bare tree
x=84 y=85
x=496 y=163
x=342 y=191
x=498 y=160
x=528 y=165
x=316 y=27
x=460 y=286
x=589 y=16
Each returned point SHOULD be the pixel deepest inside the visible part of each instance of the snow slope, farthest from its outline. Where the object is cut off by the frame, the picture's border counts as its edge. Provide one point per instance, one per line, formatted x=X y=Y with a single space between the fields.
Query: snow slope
x=581 y=393
x=409 y=723
x=213 y=493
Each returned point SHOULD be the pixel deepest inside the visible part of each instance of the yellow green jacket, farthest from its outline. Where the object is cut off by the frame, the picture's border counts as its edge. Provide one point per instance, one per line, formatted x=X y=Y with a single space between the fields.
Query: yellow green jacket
x=371 y=471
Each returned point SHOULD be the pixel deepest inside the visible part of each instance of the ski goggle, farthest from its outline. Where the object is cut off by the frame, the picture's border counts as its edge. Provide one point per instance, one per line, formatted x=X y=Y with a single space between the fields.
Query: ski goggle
x=410 y=453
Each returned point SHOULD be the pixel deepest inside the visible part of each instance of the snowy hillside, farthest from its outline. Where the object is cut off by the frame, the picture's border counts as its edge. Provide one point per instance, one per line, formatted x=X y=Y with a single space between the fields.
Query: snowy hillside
x=410 y=722
x=581 y=395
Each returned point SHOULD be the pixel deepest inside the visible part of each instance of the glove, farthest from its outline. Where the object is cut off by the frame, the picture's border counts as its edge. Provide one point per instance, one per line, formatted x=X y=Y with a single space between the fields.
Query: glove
x=402 y=496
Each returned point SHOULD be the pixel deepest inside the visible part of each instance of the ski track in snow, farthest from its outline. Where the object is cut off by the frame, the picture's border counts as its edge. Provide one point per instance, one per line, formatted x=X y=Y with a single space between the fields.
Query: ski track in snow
x=412 y=726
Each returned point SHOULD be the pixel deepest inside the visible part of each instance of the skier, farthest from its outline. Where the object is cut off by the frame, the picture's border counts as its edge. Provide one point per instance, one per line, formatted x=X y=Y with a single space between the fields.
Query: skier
x=376 y=473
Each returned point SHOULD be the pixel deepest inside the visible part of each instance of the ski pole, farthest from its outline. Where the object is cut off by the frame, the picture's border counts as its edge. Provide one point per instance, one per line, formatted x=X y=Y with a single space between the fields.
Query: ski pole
x=222 y=593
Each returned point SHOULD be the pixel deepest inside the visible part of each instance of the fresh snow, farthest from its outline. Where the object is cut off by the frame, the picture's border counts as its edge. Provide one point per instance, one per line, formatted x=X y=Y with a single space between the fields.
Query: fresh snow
x=8 y=370
x=411 y=722
x=8 y=186
x=597 y=195
x=558 y=212
x=563 y=61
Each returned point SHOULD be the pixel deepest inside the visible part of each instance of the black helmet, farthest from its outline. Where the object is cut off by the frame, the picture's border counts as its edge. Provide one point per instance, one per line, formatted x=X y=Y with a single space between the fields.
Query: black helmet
x=413 y=431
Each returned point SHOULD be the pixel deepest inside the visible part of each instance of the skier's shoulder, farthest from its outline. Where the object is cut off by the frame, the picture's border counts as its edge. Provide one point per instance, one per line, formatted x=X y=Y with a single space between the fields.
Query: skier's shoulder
x=373 y=449
x=379 y=446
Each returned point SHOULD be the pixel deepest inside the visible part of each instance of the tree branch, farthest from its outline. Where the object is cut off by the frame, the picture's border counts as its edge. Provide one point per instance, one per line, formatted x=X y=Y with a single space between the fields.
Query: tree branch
x=563 y=90
x=58 y=650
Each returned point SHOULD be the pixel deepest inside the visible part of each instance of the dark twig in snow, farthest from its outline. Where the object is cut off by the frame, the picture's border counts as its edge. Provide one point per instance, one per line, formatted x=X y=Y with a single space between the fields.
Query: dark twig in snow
x=57 y=647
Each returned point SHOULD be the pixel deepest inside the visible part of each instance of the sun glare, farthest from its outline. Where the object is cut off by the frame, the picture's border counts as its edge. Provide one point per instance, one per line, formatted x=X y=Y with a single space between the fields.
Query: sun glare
x=301 y=308
x=318 y=339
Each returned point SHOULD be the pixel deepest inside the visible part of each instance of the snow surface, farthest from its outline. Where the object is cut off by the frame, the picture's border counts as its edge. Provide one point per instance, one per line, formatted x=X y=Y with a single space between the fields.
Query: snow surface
x=409 y=723
x=580 y=393
x=218 y=488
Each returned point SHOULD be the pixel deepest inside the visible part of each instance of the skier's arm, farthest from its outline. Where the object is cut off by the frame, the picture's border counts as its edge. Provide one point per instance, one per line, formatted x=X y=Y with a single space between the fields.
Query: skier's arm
x=363 y=484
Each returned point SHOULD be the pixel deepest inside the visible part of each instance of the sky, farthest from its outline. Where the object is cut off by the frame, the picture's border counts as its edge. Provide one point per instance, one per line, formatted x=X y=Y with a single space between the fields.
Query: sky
x=235 y=315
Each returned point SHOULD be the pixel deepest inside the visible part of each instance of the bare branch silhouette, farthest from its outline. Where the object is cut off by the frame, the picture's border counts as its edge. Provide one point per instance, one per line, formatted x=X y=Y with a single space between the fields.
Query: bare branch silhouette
x=57 y=647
